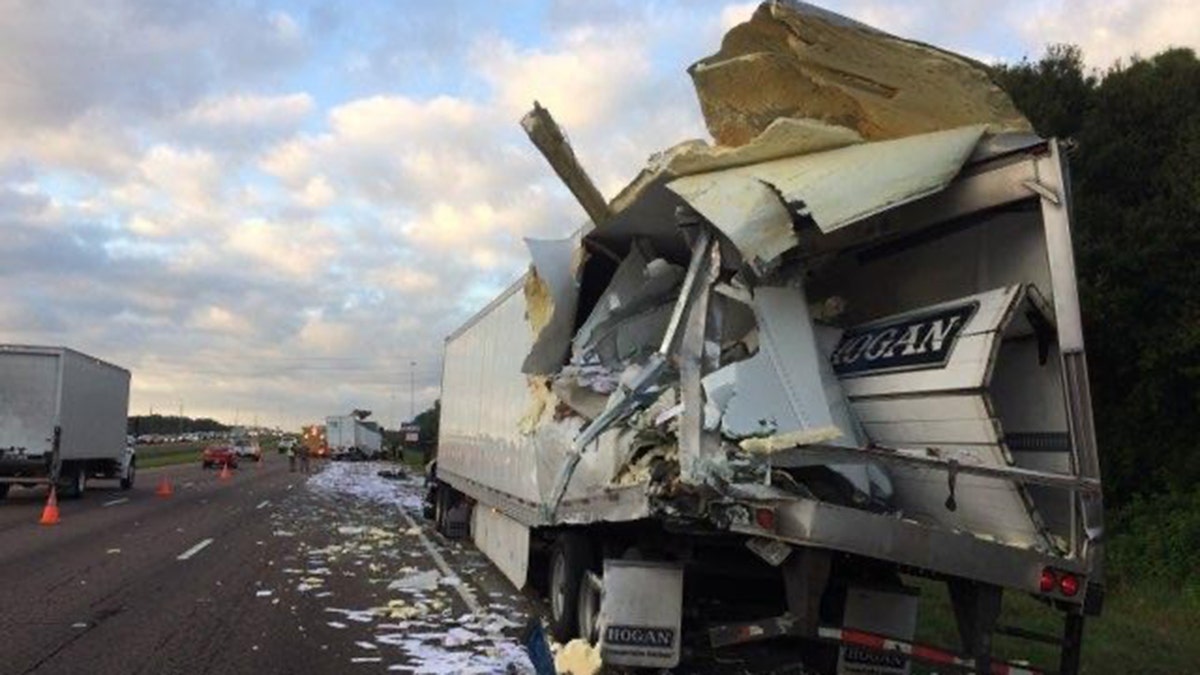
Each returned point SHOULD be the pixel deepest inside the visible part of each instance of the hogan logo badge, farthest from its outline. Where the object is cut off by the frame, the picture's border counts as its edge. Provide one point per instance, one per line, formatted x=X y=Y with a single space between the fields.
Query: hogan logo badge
x=910 y=342
x=640 y=636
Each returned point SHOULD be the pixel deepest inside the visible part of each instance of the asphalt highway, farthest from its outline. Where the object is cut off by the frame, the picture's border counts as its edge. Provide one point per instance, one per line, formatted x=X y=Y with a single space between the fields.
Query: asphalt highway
x=266 y=572
x=221 y=578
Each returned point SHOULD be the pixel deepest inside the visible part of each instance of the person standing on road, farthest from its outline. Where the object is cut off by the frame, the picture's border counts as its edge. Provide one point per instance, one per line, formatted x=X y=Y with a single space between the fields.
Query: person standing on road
x=303 y=459
x=291 y=453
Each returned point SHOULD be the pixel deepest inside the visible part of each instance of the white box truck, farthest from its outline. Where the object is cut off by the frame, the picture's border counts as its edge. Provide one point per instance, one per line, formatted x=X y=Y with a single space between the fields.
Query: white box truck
x=819 y=364
x=63 y=418
x=349 y=437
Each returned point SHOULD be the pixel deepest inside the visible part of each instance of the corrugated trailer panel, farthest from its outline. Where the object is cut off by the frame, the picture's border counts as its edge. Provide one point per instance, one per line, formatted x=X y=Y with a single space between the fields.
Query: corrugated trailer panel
x=95 y=407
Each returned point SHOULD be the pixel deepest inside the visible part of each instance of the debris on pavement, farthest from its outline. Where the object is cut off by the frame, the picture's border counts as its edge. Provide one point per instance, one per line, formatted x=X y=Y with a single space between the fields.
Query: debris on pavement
x=350 y=541
x=577 y=657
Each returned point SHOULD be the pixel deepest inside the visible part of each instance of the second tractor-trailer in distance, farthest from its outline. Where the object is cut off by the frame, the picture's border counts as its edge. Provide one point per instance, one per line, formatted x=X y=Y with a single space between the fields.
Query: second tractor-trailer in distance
x=349 y=437
x=63 y=418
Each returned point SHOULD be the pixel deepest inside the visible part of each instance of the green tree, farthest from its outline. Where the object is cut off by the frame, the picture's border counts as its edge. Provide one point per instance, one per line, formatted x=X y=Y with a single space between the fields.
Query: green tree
x=1136 y=172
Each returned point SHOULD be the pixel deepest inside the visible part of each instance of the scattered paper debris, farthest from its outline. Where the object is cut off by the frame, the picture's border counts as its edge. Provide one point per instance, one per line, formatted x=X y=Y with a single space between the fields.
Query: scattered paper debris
x=423 y=581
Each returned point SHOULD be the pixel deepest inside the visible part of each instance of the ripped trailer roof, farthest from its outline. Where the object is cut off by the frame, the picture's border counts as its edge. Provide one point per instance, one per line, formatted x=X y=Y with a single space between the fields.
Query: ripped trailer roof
x=761 y=206
x=803 y=102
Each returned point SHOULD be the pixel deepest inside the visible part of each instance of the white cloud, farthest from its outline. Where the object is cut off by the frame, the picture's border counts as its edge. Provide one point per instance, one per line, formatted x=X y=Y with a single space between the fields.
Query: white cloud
x=1114 y=29
x=732 y=15
x=250 y=110
x=200 y=203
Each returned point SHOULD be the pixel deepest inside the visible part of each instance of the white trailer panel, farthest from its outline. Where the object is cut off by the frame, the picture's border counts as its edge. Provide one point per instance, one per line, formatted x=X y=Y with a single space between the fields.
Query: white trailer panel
x=45 y=387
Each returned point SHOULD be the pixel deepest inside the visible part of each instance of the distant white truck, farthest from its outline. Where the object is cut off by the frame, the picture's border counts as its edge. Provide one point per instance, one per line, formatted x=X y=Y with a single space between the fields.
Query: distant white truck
x=349 y=437
x=63 y=418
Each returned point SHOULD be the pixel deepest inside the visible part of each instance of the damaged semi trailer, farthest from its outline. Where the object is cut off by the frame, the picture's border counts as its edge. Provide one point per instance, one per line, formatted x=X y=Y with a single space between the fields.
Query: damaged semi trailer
x=816 y=360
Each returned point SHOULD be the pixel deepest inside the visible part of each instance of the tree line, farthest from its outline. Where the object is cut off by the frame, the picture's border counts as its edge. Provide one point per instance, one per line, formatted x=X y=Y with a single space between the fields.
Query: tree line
x=1134 y=132
x=165 y=425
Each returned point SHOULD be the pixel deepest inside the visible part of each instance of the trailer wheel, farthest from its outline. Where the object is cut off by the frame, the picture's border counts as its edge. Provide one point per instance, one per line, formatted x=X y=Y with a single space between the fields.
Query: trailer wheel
x=76 y=483
x=588 y=607
x=569 y=561
x=130 y=474
x=441 y=507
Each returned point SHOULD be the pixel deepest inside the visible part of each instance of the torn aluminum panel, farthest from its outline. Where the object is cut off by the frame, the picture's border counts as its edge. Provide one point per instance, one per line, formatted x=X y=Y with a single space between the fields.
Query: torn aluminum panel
x=787 y=395
x=795 y=60
x=641 y=283
x=645 y=208
x=552 y=294
x=833 y=188
x=783 y=388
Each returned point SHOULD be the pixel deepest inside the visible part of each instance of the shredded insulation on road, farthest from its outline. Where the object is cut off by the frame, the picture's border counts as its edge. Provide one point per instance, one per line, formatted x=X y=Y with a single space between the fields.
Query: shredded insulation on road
x=415 y=620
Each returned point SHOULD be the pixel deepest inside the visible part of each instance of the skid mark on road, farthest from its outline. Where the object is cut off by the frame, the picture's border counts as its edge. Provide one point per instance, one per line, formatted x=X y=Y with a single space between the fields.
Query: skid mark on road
x=194 y=550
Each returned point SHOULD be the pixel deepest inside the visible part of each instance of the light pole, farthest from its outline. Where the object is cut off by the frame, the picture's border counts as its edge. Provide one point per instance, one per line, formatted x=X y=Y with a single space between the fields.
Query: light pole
x=412 y=401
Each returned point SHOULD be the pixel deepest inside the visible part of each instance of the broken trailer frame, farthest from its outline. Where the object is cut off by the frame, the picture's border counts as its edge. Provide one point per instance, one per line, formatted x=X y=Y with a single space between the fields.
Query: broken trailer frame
x=1003 y=173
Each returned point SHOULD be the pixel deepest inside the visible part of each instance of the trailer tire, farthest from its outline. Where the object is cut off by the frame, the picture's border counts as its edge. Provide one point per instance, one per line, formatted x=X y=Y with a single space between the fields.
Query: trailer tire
x=588 y=610
x=130 y=474
x=76 y=483
x=570 y=559
x=443 y=502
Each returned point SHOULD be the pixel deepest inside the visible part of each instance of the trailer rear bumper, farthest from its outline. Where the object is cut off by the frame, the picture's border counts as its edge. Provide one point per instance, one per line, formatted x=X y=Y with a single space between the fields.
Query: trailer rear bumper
x=812 y=523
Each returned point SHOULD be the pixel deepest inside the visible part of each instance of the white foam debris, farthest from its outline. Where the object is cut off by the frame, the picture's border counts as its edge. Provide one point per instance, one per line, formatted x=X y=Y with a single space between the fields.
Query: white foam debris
x=366 y=659
x=363 y=644
x=351 y=529
x=422 y=581
x=335 y=624
x=113 y=551
x=500 y=656
x=81 y=624
x=357 y=615
x=359 y=479
x=283 y=533
x=263 y=594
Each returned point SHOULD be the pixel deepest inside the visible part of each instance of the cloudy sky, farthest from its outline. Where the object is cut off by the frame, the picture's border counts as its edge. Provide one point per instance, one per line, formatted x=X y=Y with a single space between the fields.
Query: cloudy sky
x=270 y=210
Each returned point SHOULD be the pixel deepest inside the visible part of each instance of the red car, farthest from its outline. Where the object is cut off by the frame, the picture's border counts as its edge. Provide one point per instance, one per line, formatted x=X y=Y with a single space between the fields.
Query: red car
x=218 y=455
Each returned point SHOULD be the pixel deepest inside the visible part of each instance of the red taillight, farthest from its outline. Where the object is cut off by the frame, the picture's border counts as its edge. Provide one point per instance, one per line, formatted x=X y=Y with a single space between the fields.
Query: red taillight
x=1049 y=580
x=1069 y=585
x=765 y=518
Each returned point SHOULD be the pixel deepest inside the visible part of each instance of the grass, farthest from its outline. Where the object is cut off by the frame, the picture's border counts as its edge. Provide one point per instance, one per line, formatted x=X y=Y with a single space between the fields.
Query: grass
x=1141 y=630
x=165 y=454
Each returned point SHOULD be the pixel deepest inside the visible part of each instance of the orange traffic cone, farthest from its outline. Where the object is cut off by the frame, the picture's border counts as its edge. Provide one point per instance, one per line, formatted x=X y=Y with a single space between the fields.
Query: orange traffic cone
x=50 y=512
x=225 y=475
x=164 y=488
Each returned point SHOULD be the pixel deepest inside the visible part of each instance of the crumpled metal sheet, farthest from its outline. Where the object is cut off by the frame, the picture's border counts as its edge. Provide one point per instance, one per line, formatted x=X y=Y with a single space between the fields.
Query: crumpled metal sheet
x=784 y=388
x=641 y=286
x=551 y=294
x=759 y=206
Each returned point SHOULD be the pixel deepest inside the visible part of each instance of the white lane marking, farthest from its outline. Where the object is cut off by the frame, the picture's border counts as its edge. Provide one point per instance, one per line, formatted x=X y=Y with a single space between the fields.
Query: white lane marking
x=262 y=504
x=463 y=590
x=194 y=550
x=114 y=502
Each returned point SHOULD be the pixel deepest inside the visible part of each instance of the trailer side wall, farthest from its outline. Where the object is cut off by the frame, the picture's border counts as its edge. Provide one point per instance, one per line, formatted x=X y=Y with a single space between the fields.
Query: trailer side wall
x=95 y=408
